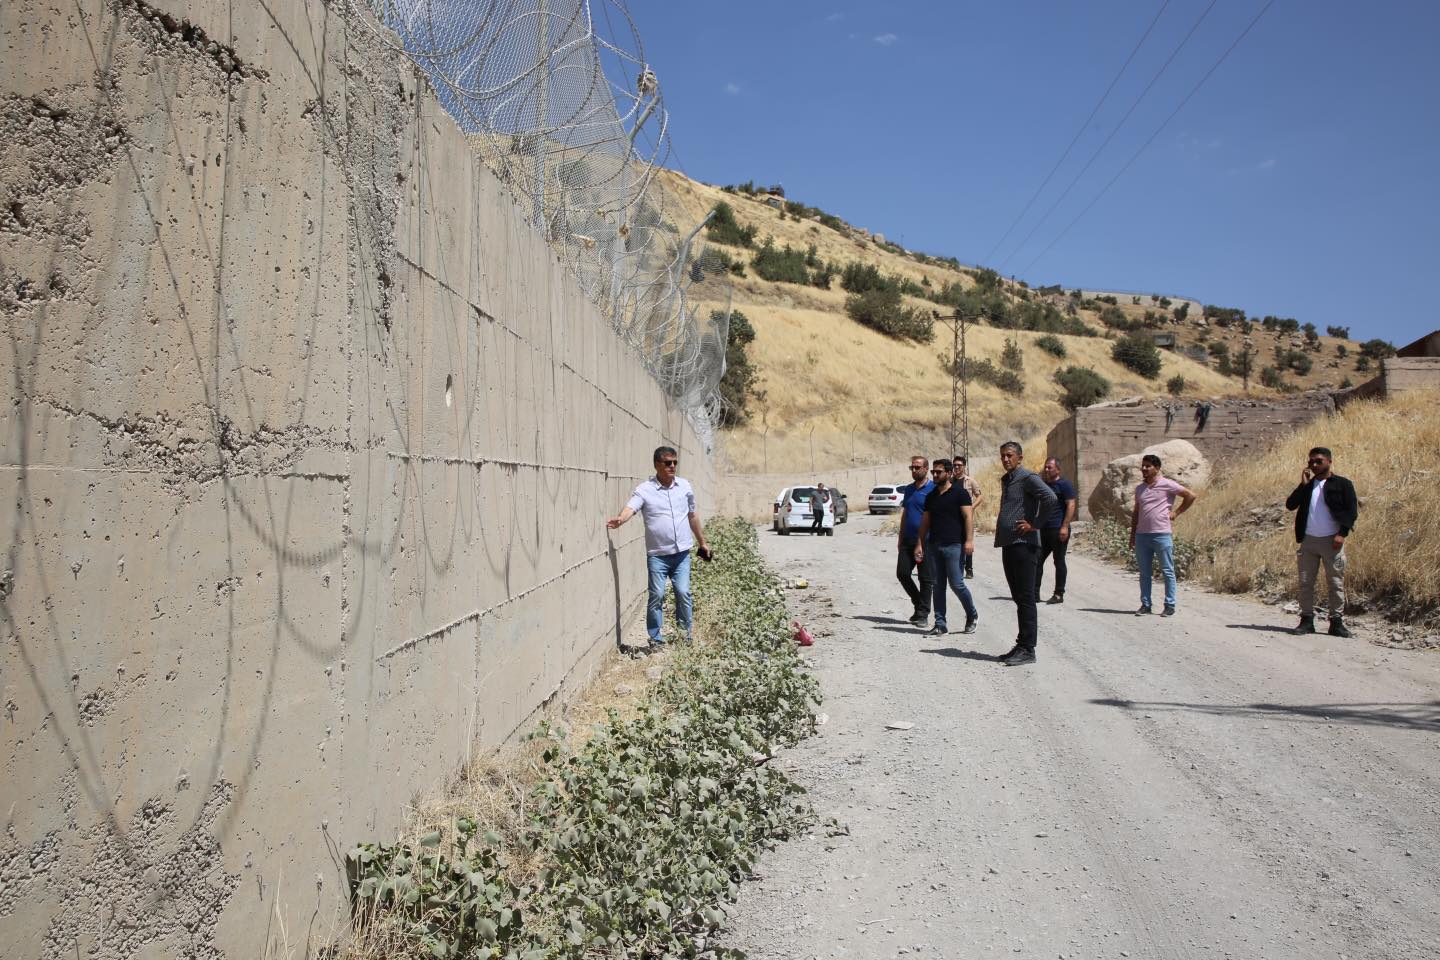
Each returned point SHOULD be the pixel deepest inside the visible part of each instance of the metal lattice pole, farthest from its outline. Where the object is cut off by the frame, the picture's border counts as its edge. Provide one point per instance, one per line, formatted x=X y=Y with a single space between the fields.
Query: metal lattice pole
x=959 y=386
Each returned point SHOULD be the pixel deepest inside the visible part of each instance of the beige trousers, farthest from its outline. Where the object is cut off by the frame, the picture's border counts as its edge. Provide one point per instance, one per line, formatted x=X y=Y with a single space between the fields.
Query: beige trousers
x=1314 y=553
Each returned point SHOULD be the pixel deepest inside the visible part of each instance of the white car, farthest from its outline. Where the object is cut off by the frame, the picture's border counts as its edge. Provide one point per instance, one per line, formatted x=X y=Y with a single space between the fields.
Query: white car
x=886 y=498
x=792 y=512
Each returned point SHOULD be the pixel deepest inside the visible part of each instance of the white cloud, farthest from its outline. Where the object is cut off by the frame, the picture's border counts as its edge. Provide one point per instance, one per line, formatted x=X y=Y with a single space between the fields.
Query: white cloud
x=732 y=88
x=1266 y=164
x=834 y=17
x=886 y=39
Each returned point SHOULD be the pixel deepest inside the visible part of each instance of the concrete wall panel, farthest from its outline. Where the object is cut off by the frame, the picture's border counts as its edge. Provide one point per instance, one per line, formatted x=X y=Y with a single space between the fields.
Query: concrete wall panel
x=308 y=452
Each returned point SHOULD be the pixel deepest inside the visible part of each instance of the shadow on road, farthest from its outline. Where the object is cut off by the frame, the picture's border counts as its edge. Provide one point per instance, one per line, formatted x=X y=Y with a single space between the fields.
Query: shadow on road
x=1262 y=627
x=1127 y=613
x=960 y=654
x=872 y=619
x=1413 y=716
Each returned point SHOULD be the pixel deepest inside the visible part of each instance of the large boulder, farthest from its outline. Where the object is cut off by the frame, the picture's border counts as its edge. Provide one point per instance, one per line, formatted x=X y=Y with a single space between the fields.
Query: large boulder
x=1114 y=496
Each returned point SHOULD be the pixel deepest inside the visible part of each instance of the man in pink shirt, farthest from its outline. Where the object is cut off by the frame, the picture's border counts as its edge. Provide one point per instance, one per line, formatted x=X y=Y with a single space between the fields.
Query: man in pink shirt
x=1151 y=529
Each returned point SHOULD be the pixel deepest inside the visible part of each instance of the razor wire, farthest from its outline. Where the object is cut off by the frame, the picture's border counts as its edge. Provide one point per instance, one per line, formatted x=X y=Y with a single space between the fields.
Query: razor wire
x=566 y=111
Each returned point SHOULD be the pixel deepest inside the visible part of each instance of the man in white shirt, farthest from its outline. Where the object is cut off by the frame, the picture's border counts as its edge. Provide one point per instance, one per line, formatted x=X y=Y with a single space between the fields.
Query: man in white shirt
x=672 y=528
x=1326 y=510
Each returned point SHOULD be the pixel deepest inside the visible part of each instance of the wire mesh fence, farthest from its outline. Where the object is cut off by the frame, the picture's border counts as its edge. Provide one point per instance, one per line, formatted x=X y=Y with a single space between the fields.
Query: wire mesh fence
x=558 y=100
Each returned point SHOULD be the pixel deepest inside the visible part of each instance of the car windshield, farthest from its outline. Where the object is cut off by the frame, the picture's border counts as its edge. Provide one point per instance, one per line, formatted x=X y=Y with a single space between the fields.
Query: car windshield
x=882 y=490
x=801 y=494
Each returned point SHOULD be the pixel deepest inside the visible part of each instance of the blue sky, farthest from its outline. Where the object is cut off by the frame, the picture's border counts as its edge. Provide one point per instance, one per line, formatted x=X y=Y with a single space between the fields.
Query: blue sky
x=1300 y=180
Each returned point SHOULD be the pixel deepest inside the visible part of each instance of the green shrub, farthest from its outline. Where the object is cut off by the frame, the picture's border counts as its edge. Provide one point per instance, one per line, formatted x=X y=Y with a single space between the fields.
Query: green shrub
x=1012 y=357
x=1052 y=345
x=984 y=370
x=1219 y=349
x=858 y=277
x=1115 y=319
x=738 y=385
x=1362 y=363
x=1082 y=387
x=637 y=835
x=785 y=265
x=1377 y=349
x=1137 y=352
x=883 y=310
x=724 y=228
x=1176 y=385
x=1223 y=366
x=1342 y=332
x=1272 y=377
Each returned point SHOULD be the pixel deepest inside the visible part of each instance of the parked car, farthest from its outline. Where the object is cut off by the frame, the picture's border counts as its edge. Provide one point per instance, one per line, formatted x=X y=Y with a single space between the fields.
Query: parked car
x=795 y=514
x=886 y=498
x=839 y=503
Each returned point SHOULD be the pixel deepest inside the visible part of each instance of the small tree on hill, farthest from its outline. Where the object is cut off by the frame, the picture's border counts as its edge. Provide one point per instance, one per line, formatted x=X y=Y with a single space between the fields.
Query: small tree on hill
x=1176 y=385
x=1342 y=332
x=1137 y=352
x=1012 y=357
x=1052 y=345
x=738 y=385
x=724 y=228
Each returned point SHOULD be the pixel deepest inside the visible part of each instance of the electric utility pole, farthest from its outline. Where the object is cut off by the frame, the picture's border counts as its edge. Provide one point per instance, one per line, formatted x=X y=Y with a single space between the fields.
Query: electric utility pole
x=959 y=385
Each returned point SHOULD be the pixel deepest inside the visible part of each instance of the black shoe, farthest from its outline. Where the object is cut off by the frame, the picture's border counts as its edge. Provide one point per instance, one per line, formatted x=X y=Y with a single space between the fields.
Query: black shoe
x=1337 y=628
x=1144 y=610
x=970 y=625
x=1306 y=625
x=919 y=619
x=936 y=631
x=1056 y=598
x=1020 y=657
x=1009 y=653
x=1169 y=610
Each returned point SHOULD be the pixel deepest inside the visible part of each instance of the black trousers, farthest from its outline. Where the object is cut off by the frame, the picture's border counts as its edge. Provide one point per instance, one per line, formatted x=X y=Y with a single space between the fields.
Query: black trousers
x=1051 y=544
x=904 y=565
x=1020 y=561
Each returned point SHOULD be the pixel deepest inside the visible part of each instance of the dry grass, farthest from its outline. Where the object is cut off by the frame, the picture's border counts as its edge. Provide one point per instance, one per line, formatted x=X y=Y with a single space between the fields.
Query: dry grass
x=1388 y=449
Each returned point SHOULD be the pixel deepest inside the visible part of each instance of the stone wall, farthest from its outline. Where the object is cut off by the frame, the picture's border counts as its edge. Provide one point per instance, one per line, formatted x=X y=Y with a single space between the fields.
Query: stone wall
x=1093 y=436
x=305 y=463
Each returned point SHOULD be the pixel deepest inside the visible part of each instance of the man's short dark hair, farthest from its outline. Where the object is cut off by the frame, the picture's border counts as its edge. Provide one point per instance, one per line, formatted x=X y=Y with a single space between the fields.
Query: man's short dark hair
x=1050 y=460
x=959 y=459
x=1151 y=459
x=945 y=465
x=924 y=460
x=1013 y=445
x=661 y=451
x=1322 y=451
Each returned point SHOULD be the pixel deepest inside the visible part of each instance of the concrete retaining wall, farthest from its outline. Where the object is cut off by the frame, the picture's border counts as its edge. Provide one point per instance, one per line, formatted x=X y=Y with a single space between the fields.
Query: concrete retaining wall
x=1093 y=436
x=304 y=469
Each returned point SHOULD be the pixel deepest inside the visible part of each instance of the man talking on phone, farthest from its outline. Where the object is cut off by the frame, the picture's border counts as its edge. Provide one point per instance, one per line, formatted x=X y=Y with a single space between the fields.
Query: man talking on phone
x=1026 y=501
x=1326 y=510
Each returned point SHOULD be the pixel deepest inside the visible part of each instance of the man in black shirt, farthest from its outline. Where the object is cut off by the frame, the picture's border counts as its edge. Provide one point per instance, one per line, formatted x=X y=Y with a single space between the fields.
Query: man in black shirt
x=949 y=528
x=1025 y=503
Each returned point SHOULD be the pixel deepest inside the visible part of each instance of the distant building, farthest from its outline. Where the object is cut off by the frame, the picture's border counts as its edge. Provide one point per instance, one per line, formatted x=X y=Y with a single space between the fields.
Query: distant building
x=1426 y=346
x=1164 y=339
x=774 y=200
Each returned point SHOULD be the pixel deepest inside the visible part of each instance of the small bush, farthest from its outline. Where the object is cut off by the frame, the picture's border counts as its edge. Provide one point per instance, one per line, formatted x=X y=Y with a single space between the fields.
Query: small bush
x=724 y=228
x=740 y=383
x=1082 y=387
x=1176 y=385
x=1272 y=377
x=860 y=277
x=1362 y=363
x=1377 y=349
x=1219 y=349
x=1137 y=352
x=1012 y=357
x=785 y=265
x=1223 y=367
x=1052 y=345
x=883 y=310
x=984 y=370
x=1342 y=332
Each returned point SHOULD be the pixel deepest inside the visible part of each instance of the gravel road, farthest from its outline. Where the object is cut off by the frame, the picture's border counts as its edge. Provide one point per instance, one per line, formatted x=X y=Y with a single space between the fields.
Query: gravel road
x=1207 y=786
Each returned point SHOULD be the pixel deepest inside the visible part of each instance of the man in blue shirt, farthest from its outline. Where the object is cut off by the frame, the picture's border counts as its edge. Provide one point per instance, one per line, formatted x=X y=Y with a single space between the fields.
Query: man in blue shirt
x=1055 y=531
x=913 y=509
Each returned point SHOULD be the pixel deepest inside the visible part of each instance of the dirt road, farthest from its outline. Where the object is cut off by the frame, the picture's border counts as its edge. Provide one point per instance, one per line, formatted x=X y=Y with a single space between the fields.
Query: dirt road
x=1207 y=786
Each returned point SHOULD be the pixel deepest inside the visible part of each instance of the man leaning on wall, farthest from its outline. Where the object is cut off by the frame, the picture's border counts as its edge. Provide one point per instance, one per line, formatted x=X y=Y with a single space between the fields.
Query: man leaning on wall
x=666 y=502
x=1326 y=510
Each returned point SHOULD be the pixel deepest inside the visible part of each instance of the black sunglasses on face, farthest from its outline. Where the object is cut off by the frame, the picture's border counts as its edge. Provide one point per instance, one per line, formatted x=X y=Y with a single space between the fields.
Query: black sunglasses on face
x=668 y=463
x=938 y=471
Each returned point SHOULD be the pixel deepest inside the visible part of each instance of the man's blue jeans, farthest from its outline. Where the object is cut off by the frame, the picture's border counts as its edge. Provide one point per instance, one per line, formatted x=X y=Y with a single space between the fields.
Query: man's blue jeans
x=1148 y=546
x=950 y=568
x=676 y=567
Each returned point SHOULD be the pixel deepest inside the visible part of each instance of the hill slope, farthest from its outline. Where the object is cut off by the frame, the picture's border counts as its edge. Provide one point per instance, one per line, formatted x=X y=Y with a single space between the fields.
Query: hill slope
x=853 y=395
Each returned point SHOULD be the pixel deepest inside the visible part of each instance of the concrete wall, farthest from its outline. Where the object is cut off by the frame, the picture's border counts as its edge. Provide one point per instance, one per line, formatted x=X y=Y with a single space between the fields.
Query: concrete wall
x=1093 y=436
x=1398 y=375
x=304 y=466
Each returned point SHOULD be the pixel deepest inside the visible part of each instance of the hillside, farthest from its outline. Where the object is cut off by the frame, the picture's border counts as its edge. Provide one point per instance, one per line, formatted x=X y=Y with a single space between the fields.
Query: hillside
x=854 y=395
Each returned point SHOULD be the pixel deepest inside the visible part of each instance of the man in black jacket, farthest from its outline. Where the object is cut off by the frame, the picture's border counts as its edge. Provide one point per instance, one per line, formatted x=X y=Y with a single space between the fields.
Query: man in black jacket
x=1025 y=503
x=1326 y=509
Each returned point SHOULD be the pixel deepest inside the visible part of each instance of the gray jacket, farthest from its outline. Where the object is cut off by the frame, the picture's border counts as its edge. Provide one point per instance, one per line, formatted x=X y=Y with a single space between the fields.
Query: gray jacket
x=1023 y=495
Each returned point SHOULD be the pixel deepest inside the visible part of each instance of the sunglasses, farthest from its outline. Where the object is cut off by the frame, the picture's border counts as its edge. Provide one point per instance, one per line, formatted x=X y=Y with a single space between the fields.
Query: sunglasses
x=667 y=463
x=942 y=470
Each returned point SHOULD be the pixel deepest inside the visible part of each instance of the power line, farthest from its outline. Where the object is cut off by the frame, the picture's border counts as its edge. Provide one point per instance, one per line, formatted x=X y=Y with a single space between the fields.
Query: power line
x=1076 y=139
x=1136 y=155
x=1101 y=149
